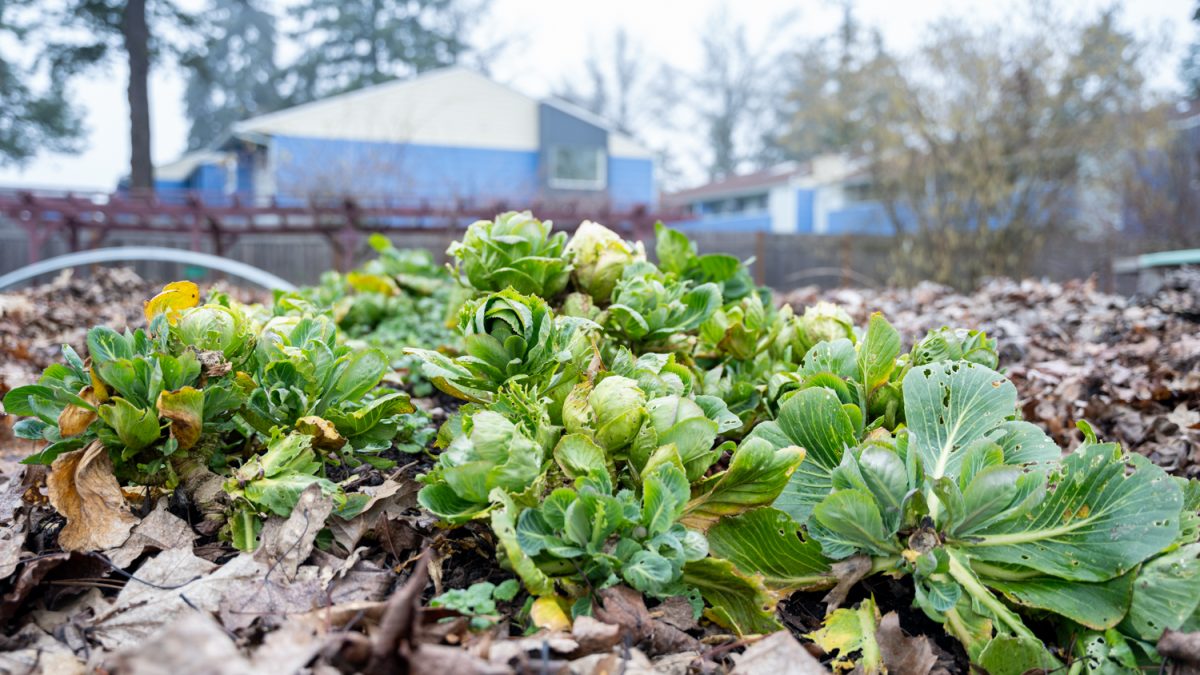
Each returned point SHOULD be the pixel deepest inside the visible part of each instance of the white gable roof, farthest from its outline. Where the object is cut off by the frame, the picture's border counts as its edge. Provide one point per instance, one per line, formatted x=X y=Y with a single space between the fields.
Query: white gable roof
x=182 y=168
x=452 y=106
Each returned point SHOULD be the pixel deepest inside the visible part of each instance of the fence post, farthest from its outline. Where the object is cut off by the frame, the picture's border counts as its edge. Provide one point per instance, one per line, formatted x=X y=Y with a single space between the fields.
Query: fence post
x=760 y=258
x=847 y=261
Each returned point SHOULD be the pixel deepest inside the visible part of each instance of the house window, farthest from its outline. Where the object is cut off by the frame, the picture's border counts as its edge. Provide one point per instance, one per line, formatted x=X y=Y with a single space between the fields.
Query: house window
x=574 y=167
x=859 y=192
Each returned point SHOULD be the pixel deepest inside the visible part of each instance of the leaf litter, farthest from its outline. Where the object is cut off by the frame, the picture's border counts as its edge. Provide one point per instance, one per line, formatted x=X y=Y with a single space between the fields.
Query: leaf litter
x=360 y=601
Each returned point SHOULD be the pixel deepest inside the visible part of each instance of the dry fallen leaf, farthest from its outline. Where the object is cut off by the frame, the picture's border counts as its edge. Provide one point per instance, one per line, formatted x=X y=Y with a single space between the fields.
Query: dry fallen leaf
x=287 y=543
x=194 y=643
x=160 y=530
x=902 y=653
x=776 y=654
x=625 y=607
x=157 y=598
x=594 y=636
x=39 y=652
x=83 y=489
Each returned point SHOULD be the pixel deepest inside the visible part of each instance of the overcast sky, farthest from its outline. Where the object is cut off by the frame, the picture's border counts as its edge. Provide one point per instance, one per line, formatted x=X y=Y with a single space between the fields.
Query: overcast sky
x=548 y=42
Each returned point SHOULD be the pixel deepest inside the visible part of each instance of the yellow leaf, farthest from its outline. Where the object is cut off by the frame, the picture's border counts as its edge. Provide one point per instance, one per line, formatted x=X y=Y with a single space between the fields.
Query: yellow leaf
x=99 y=389
x=852 y=630
x=325 y=435
x=548 y=613
x=184 y=408
x=372 y=283
x=74 y=419
x=244 y=382
x=175 y=296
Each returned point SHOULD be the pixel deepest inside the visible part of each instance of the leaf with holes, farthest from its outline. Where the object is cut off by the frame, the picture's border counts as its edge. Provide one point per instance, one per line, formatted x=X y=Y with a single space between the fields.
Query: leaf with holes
x=948 y=405
x=1104 y=513
x=814 y=420
x=768 y=542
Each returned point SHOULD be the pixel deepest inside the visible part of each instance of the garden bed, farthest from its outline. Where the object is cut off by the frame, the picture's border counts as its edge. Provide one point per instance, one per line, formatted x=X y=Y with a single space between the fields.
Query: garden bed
x=423 y=582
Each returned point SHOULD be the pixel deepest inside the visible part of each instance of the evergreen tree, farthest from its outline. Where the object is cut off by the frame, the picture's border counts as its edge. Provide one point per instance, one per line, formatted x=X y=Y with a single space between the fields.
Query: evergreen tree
x=31 y=121
x=350 y=44
x=1189 y=70
x=98 y=31
x=234 y=75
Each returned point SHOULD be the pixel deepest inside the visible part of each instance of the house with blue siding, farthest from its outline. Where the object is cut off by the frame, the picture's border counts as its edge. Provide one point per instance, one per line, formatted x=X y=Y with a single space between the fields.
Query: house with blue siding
x=446 y=136
x=827 y=195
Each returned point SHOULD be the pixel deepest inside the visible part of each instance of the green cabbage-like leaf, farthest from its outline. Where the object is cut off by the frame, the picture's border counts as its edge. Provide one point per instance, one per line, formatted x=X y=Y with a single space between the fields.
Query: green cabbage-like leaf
x=756 y=475
x=136 y=427
x=736 y=600
x=948 y=406
x=769 y=542
x=1104 y=513
x=812 y=419
x=1166 y=595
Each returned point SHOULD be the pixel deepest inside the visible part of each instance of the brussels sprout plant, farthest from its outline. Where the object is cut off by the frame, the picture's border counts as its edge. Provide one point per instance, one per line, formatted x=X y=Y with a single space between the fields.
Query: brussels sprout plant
x=661 y=425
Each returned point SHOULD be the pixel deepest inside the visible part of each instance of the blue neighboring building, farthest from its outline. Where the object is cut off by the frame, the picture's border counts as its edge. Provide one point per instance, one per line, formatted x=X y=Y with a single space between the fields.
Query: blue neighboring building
x=828 y=195
x=445 y=136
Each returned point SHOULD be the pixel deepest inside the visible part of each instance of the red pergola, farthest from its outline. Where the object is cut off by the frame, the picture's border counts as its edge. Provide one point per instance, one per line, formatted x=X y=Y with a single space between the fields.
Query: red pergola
x=86 y=219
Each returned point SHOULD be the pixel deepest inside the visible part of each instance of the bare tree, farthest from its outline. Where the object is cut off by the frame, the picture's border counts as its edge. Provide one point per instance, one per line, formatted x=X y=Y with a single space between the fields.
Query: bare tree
x=986 y=140
x=732 y=93
x=615 y=83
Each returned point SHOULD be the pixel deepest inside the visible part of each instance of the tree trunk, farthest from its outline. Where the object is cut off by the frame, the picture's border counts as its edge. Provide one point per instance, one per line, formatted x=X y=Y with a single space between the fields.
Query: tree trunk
x=137 y=46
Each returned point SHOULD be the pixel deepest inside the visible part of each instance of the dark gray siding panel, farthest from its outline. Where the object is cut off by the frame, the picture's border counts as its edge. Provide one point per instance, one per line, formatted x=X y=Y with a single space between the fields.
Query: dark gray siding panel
x=557 y=127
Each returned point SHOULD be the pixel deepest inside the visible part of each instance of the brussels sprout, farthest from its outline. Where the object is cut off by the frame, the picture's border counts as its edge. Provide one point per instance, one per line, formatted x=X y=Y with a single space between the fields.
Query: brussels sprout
x=825 y=322
x=953 y=344
x=650 y=308
x=741 y=330
x=488 y=451
x=691 y=425
x=580 y=305
x=515 y=250
x=509 y=337
x=611 y=413
x=600 y=256
x=215 y=328
x=279 y=333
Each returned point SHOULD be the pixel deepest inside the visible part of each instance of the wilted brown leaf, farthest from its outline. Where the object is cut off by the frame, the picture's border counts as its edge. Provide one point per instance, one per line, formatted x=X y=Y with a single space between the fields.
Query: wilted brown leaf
x=902 y=653
x=74 y=419
x=325 y=435
x=848 y=573
x=83 y=489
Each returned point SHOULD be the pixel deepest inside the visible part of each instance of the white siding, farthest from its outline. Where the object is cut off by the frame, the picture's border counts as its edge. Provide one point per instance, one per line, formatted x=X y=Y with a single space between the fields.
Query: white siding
x=827 y=198
x=782 y=204
x=620 y=145
x=451 y=107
